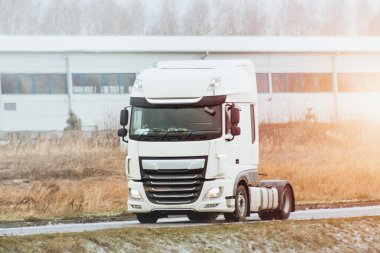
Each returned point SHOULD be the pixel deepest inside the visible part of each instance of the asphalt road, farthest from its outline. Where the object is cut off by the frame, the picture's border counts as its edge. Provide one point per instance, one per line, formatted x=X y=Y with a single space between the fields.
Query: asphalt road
x=183 y=222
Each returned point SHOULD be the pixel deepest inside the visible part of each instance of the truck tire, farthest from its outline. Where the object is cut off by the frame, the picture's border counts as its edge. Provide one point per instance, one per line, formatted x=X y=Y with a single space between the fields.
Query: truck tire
x=241 y=206
x=268 y=215
x=147 y=218
x=286 y=207
x=286 y=203
x=202 y=217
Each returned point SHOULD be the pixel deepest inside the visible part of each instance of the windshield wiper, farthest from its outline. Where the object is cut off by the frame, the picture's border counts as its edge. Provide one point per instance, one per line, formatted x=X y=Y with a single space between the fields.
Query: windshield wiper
x=201 y=136
x=154 y=130
x=210 y=111
x=173 y=131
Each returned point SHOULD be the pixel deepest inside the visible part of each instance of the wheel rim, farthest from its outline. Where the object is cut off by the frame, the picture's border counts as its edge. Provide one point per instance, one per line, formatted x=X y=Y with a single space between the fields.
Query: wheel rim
x=286 y=203
x=241 y=204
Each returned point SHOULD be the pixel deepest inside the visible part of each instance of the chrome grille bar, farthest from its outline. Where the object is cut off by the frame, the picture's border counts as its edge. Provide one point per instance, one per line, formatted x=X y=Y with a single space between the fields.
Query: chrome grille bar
x=194 y=182
x=168 y=183
x=171 y=189
x=174 y=195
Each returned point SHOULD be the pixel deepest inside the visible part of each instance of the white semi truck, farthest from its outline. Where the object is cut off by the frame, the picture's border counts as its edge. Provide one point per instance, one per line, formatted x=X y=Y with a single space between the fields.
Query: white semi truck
x=193 y=144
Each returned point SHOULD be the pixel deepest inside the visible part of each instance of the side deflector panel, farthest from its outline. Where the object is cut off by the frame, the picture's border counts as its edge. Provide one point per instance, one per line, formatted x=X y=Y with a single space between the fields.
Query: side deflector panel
x=263 y=198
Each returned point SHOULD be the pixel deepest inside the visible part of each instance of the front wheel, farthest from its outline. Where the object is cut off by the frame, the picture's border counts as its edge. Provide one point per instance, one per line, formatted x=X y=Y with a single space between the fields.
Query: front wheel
x=241 y=205
x=147 y=218
x=285 y=209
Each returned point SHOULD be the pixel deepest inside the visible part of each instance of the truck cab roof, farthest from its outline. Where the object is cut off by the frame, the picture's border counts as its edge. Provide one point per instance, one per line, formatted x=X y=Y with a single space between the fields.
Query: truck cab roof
x=181 y=82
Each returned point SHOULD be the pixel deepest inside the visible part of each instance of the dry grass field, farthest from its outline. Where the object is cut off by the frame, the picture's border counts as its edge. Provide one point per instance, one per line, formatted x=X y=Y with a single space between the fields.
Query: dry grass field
x=75 y=177
x=324 y=162
x=80 y=176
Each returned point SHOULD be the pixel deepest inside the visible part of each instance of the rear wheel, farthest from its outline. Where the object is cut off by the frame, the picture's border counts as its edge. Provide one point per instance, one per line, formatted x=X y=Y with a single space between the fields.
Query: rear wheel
x=202 y=217
x=269 y=215
x=286 y=204
x=241 y=205
x=286 y=207
x=147 y=218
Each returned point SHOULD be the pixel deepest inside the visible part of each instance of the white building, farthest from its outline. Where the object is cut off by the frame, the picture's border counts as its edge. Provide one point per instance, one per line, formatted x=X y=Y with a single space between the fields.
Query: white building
x=43 y=77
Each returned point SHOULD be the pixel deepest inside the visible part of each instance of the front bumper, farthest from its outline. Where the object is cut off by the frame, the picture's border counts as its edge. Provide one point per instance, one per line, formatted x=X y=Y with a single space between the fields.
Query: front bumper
x=219 y=205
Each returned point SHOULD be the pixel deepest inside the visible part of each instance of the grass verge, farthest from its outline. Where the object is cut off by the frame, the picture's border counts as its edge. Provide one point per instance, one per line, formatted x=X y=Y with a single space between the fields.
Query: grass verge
x=337 y=235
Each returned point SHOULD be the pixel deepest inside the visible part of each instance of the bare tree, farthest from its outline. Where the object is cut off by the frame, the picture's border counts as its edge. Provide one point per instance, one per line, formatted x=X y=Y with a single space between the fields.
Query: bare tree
x=166 y=22
x=190 y=17
x=19 y=17
x=250 y=18
x=63 y=17
x=224 y=22
x=337 y=21
x=134 y=19
x=373 y=24
x=102 y=17
x=196 y=19
x=293 y=18
x=366 y=22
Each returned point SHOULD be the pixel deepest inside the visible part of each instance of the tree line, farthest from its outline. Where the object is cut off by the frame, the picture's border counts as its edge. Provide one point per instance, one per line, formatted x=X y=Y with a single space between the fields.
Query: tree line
x=191 y=17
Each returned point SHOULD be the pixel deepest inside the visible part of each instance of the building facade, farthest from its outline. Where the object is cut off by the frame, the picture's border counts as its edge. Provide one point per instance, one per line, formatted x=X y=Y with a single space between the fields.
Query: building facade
x=322 y=79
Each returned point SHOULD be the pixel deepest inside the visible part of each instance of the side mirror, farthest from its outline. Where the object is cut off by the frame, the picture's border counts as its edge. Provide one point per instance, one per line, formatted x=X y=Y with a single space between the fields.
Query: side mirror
x=124 y=117
x=122 y=132
x=235 y=116
x=235 y=130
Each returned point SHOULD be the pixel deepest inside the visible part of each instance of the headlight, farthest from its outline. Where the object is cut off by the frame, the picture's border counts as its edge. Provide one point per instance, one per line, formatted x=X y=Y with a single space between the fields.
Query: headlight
x=134 y=194
x=214 y=83
x=213 y=193
x=138 y=85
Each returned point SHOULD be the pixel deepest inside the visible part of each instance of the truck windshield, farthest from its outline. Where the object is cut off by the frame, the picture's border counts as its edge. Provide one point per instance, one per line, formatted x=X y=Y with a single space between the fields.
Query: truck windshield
x=176 y=124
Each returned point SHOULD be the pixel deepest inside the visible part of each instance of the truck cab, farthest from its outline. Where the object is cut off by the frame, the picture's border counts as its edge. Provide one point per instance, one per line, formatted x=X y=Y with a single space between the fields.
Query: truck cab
x=193 y=144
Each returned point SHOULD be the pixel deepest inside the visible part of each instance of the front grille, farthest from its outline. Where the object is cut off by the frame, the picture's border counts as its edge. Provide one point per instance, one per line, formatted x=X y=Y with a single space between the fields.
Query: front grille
x=173 y=186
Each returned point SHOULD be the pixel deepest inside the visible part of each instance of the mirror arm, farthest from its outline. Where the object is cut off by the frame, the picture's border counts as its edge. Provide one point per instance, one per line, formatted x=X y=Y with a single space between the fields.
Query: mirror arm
x=233 y=137
x=123 y=138
x=126 y=141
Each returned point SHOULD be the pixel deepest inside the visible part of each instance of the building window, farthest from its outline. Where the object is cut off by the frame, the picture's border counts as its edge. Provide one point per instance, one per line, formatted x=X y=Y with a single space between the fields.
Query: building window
x=110 y=84
x=9 y=84
x=262 y=83
x=279 y=82
x=86 y=83
x=373 y=82
x=359 y=82
x=9 y=106
x=127 y=81
x=25 y=84
x=294 y=83
x=42 y=84
x=113 y=83
x=325 y=82
x=311 y=82
x=33 y=84
x=58 y=84
x=302 y=82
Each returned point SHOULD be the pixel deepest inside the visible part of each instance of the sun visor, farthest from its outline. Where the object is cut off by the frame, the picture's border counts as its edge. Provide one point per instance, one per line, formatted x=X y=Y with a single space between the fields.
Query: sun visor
x=159 y=103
